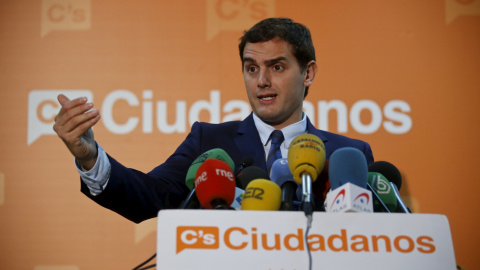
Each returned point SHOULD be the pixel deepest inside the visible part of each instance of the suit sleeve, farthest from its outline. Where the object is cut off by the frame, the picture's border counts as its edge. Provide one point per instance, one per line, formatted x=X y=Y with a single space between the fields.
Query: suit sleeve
x=367 y=151
x=138 y=196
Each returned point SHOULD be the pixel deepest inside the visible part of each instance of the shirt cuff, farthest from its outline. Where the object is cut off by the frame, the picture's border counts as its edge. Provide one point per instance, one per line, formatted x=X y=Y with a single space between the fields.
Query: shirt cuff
x=97 y=178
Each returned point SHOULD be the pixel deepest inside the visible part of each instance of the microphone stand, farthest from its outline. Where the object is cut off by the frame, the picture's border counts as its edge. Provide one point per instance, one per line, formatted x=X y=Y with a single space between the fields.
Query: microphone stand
x=377 y=197
x=399 y=199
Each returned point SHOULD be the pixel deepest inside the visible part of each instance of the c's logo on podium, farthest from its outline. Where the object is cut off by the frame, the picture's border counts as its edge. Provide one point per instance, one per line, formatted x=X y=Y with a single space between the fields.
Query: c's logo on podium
x=197 y=237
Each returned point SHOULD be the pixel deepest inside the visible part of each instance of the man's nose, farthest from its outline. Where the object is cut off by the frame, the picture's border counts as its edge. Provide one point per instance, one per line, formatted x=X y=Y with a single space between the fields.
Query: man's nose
x=264 y=79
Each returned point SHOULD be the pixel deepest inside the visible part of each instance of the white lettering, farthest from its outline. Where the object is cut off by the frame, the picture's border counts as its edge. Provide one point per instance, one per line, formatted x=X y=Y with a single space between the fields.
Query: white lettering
x=376 y=114
x=147 y=111
x=201 y=178
x=225 y=173
x=180 y=125
x=213 y=107
x=107 y=112
x=189 y=240
x=42 y=103
x=391 y=113
x=240 y=105
x=341 y=109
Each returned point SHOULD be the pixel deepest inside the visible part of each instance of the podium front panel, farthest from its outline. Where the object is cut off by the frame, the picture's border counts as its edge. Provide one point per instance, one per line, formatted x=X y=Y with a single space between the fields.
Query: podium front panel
x=223 y=239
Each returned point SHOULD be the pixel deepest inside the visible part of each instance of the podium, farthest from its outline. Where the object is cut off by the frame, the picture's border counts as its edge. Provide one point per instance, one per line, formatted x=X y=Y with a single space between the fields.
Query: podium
x=224 y=239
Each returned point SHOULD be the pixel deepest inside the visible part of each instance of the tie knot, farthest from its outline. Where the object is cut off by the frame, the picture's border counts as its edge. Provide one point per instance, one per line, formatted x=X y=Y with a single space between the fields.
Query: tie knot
x=277 y=137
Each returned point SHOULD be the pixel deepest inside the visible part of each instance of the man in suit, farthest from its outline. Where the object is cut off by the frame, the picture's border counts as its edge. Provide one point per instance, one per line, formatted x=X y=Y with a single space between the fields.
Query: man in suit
x=278 y=60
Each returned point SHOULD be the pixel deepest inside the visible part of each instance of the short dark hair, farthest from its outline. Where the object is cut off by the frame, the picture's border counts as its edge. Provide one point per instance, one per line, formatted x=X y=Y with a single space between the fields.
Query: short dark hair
x=296 y=34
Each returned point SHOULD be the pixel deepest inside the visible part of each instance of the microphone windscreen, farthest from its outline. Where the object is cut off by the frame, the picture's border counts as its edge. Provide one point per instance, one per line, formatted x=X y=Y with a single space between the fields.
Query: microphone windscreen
x=280 y=172
x=246 y=162
x=388 y=170
x=262 y=194
x=216 y=153
x=306 y=154
x=248 y=174
x=214 y=180
x=384 y=189
x=347 y=165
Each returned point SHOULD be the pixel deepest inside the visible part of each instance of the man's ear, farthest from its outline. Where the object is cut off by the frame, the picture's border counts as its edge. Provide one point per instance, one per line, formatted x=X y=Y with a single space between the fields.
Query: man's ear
x=310 y=72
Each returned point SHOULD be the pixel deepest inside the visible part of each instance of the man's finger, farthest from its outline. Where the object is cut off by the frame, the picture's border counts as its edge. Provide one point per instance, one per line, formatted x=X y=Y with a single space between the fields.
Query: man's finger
x=63 y=99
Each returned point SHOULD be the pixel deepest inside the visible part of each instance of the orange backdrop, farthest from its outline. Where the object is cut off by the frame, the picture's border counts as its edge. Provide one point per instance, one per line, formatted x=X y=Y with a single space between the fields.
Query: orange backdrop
x=402 y=75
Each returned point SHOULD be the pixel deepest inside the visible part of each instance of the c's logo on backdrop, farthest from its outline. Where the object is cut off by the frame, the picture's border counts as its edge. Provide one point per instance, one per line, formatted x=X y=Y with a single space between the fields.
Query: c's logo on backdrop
x=457 y=8
x=236 y=14
x=42 y=108
x=65 y=15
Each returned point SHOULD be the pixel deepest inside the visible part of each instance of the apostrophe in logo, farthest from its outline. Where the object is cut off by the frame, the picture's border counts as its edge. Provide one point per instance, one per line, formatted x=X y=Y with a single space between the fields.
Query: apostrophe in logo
x=196 y=237
x=65 y=15
x=236 y=14
x=42 y=108
x=457 y=8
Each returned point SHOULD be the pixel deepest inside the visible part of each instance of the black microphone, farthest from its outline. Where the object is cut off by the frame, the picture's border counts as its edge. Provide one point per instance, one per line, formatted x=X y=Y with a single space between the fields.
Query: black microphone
x=245 y=176
x=246 y=162
x=393 y=175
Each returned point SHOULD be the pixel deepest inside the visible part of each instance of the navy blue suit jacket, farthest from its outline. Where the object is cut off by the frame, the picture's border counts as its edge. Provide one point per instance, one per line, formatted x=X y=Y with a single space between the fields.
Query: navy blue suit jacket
x=138 y=196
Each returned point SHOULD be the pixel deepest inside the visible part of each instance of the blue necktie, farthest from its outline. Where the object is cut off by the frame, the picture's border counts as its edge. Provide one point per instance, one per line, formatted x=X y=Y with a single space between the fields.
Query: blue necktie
x=274 y=153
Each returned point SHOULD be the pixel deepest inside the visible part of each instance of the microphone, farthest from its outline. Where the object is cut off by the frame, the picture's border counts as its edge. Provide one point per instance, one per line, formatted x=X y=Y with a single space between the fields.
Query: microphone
x=393 y=175
x=348 y=175
x=281 y=175
x=388 y=170
x=384 y=190
x=262 y=194
x=320 y=187
x=246 y=162
x=347 y=165
x=245 y=176
x=306 y=158
x=191 y=202
x=215 y=184
x=216 y=153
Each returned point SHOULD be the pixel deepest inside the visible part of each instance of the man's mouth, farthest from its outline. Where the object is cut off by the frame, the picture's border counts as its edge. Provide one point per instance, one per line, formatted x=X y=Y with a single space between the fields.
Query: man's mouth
x=267 y=97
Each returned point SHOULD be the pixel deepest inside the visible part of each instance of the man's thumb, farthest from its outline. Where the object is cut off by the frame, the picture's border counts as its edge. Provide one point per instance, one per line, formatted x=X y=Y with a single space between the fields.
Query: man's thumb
x=63 y=99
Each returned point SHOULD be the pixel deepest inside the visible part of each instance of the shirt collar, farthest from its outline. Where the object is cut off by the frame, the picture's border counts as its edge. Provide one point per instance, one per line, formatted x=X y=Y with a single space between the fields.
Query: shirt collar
x=289 y=132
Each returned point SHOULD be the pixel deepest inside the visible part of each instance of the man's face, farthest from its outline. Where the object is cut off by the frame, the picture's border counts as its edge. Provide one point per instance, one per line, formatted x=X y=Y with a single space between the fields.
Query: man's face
x=274 y=82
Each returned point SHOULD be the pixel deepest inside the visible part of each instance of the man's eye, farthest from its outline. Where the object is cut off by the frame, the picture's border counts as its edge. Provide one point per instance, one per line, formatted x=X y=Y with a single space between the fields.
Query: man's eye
x=277 y=67
x=251 y=69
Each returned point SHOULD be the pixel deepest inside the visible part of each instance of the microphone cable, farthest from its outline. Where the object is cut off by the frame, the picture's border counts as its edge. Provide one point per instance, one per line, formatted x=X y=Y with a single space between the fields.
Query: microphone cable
x=148 y=267
x=138 y=267
x=309 y=225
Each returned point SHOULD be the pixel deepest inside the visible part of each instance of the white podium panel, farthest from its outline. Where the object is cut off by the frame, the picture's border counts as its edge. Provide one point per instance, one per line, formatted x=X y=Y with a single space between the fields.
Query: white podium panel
x=223 y=239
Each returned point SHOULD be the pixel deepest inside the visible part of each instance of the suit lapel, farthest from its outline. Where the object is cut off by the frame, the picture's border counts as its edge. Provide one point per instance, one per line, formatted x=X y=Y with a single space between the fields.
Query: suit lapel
x=249 y=144
x=312 y=130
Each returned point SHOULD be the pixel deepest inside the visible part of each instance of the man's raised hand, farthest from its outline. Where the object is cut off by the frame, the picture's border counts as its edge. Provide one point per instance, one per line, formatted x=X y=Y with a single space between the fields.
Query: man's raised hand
x=73 y=124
